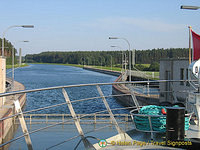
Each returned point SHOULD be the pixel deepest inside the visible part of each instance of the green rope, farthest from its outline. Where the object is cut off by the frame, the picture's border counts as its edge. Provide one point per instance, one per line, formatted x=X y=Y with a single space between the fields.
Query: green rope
x=158 y=123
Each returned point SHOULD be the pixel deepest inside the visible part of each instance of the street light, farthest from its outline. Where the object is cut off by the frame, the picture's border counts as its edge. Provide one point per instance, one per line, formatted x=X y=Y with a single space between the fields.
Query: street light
x=190 y=7
x=129 y=54
x=23 y=26
x=122 y=53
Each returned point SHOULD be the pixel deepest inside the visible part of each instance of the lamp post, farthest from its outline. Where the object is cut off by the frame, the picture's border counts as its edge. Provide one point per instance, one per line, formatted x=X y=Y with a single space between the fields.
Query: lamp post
x=129 y=54
x=122 y=53
x=14 y=26
x=13 y=68
x=3 y=36
x=190 y=7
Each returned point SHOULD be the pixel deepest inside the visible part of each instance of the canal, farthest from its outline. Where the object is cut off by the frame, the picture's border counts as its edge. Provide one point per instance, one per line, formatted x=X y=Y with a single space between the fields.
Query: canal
x=44 y=75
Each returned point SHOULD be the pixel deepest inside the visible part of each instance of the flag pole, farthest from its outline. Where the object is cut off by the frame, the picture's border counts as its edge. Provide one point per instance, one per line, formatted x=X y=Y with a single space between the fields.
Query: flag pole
x=190 y=28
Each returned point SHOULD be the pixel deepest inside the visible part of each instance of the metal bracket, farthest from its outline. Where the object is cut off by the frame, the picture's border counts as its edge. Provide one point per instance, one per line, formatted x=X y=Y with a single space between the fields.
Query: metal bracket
x=87 y=144
x=23 y=124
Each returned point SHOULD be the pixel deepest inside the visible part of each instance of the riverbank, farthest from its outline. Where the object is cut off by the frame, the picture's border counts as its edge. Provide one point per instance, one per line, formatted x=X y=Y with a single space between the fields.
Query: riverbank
x=122 y=89
x=149 y=74
x=82 y=66
x=16 y=66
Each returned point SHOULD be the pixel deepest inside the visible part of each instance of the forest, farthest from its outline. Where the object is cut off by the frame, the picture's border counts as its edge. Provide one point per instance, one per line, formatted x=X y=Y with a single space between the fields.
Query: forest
x=106 y=58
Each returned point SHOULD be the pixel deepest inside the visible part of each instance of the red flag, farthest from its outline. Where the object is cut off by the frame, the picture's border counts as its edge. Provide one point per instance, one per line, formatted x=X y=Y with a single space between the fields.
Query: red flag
x=196 y=45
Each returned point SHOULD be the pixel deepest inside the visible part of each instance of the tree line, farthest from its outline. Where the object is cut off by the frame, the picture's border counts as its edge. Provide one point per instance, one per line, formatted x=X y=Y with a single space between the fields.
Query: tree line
x=8 y=47
x=106 y=58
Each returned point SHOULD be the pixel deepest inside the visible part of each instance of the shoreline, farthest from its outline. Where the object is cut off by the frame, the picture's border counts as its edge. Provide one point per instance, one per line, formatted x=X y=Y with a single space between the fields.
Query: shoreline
x=151 y=75
x=16 y=66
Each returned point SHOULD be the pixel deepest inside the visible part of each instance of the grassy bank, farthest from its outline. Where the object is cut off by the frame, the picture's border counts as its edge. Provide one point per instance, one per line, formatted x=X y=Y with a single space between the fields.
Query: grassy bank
x=74 y=65
x=16 y=66
x=154 y=75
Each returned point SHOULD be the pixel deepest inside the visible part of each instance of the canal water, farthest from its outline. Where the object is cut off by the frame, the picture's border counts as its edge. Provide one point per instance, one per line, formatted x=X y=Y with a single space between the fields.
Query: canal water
x=44 y=75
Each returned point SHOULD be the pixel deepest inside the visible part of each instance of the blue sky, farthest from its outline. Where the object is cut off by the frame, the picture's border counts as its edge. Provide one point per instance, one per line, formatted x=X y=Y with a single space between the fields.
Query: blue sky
x=71 y=25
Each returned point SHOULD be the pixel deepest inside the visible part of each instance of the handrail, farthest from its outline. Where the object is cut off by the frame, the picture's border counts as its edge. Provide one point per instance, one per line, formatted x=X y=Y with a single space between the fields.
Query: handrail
x=37 y=130
x=47 y=107
x=81 y=85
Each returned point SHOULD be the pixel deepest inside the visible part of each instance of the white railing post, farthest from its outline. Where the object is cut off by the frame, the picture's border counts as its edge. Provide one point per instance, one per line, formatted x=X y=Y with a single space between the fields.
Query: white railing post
x=109 y=110
x=86 y=143
x=23 y=124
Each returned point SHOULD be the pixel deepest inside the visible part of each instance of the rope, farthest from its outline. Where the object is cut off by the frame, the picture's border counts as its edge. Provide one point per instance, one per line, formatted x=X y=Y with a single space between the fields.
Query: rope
x=158 y=123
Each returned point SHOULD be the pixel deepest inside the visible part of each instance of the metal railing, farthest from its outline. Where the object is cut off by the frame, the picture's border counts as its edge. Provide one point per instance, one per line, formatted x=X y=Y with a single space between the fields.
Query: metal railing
x=75 y=117
x=89 y=119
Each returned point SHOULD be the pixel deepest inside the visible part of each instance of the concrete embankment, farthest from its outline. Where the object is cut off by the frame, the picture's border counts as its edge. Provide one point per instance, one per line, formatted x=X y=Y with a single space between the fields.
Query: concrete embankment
x=122 y=89
x=114 y=73
x=127 y=100
x=7 y=125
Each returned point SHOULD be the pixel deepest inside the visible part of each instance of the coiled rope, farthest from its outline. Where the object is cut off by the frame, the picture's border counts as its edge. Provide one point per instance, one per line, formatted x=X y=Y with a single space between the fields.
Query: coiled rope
x=158 y=123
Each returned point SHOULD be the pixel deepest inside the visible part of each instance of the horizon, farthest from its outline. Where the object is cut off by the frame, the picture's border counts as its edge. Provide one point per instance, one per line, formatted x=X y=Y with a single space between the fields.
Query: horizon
x=86 y=25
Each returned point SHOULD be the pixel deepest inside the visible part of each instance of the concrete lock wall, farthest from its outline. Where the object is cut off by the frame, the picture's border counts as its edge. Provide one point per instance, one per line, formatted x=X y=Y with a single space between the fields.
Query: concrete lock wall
x=6 y=106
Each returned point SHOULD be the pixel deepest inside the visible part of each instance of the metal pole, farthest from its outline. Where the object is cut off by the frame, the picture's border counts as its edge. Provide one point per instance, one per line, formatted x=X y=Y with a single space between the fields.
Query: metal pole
x=3 y=45
x=129 y=57
x=190 y=28
x=111 y=63
x=122 y=61
x=20 y=57
x=13 y=74
x=129 y=65
x=133 y=58
x=125 y=62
